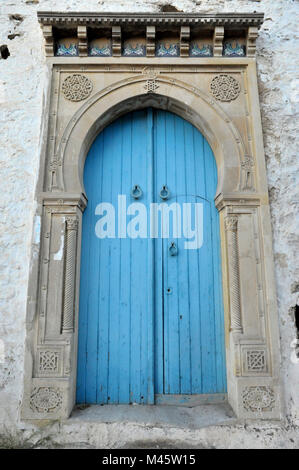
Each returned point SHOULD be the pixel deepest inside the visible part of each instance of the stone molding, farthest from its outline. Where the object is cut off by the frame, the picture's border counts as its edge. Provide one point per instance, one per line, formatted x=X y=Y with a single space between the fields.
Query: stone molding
x=146 y=19
x=181 y=85
x=58 y=25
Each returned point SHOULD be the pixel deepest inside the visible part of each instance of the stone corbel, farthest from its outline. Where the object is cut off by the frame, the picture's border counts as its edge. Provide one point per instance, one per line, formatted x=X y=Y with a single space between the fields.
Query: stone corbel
x=185 y=41
x=150 y=41
x=252 y=34
x=218 y=41
x=83 y=45
x=116 y=41
x=49 y=40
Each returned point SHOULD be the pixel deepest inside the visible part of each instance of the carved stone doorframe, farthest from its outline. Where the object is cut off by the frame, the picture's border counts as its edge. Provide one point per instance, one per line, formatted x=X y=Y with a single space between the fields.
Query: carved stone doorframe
x=218 y=94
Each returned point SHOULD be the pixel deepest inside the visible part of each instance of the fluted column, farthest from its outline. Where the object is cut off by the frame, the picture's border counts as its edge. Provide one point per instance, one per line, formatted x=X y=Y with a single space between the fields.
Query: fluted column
x=231 y=226
x=70 y=274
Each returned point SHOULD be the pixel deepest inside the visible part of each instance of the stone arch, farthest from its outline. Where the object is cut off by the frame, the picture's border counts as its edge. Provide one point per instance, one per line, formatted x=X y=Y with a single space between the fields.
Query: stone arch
x=175 y=96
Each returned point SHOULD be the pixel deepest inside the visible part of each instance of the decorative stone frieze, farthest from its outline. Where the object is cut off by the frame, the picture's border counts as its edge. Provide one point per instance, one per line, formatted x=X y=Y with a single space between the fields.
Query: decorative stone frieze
x=145 y=25
x=162 y=19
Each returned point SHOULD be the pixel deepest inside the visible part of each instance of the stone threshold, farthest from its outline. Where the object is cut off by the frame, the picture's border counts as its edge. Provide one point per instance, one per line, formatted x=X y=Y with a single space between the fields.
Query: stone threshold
x=194 y=417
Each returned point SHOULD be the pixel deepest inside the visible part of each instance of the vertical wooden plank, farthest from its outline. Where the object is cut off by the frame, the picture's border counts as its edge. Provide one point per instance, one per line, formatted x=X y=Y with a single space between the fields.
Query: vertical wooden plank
x=83 y=306
x=103 y=190
x=192 y=266
x=171 y=275
x=125 y=280
x=184 y=312
x=159 y=179
x=150 y=326
x=116 y=310
x=219 y=353
x=92 y=304
x=139 y=268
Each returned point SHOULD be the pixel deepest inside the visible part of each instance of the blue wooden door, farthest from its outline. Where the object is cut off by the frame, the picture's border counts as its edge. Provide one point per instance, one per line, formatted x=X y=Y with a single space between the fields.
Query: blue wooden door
x=150 y=318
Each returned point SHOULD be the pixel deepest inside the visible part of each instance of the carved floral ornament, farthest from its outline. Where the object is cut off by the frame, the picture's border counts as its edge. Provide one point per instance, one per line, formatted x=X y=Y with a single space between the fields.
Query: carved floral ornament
x=257 y=399
x=46 y=399
x=76 y=87
x=225 y=88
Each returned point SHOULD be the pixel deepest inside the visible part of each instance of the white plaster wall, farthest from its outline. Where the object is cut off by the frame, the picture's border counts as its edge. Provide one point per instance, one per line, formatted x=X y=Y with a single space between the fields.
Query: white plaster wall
x=23 y=89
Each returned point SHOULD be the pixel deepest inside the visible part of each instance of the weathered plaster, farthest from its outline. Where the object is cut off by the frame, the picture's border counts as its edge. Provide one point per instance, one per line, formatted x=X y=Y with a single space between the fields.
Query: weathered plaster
x=24 y=86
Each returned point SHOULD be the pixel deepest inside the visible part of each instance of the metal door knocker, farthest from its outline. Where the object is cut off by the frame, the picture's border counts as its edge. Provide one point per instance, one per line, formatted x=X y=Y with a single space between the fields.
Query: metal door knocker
x=164 y=193
x=136 y=192
x=173 y=250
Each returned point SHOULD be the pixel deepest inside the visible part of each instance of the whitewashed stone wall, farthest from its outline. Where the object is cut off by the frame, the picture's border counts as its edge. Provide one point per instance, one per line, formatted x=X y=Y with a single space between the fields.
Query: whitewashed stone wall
x=23 y=91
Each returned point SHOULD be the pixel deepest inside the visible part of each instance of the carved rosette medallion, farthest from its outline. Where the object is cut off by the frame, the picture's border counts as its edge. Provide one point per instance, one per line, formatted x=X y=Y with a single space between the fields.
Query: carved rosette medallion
x=76 y=87
x=225 y=88
x=46 y=399
x=151 y=85
x=257 y=399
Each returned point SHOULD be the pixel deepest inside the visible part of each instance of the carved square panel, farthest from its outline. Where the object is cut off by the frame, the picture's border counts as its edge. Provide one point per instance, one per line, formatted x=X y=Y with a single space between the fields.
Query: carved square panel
x=49 y=362
x=254 y=360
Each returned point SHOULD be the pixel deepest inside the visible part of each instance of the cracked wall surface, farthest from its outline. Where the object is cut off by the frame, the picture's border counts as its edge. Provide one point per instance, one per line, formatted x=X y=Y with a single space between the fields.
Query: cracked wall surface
x=23 y=96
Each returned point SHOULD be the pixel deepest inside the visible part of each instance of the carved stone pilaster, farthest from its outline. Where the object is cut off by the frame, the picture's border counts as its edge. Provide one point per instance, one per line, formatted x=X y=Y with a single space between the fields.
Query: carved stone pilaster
x=247 y=166
x=70 y=274
x=218 y=41
x=116 y=41
x=252 y=34
x=185 y=41
x=49 y=40
x=150 y=41
x=82 y=36
x=231 y=226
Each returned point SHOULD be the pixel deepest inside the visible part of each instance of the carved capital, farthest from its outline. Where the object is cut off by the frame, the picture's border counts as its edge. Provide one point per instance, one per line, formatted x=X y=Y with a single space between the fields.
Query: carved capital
x=72 y=223
x=231 y=223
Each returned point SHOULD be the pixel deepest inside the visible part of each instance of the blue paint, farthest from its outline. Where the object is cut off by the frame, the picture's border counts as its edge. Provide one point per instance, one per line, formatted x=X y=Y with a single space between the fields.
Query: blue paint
x=151 y=317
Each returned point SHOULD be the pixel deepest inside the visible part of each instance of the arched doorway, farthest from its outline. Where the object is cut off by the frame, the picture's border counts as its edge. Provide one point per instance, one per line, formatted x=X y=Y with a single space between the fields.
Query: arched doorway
x=151 y=315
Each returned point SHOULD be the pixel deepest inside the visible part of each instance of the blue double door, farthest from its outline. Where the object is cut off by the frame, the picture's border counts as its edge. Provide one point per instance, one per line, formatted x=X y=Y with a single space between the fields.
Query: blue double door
x=151 y=313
